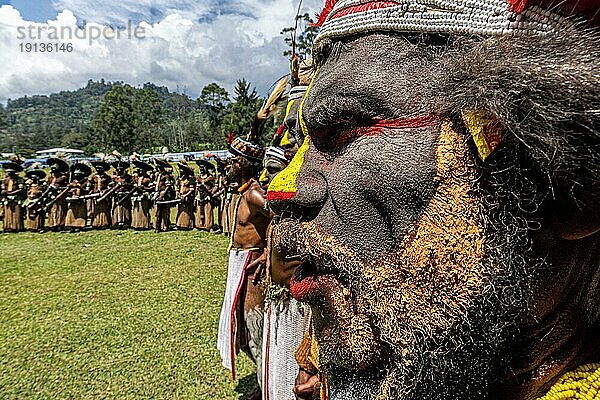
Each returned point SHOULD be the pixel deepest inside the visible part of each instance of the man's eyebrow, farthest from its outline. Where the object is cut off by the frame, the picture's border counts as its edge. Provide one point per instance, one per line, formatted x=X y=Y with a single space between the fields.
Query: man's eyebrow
x=341 y=109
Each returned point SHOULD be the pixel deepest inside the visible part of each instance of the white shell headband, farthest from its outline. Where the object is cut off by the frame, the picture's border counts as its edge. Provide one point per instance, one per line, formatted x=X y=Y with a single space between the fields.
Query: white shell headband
x=483 y=17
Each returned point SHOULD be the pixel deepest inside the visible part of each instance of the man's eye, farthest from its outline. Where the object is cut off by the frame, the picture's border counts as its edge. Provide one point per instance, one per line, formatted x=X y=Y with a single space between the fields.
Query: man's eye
x=337 y=136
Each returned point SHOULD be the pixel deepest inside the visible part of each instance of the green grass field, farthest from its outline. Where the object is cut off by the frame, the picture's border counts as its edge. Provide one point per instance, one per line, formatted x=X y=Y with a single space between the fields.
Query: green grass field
x=114 y=314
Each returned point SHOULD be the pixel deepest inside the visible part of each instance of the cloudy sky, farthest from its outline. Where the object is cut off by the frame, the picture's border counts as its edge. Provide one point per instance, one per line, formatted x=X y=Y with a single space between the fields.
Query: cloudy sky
x=183 y=44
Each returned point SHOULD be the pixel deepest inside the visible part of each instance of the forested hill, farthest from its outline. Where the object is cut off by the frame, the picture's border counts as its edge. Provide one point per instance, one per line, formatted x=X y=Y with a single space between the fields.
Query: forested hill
x=106 y=116
x=61 y=119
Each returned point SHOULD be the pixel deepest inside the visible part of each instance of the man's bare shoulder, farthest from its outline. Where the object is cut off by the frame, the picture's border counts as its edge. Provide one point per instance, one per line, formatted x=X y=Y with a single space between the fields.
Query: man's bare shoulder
x=255 y=196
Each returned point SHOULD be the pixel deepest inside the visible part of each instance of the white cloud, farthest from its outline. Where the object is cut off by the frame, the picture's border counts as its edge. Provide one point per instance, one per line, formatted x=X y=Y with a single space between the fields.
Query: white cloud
x=148 y=10
x=182 y=49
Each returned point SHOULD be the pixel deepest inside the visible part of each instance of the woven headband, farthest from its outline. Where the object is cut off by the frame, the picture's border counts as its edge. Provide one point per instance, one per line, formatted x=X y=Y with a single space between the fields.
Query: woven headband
x=275 y=153
x=482 y=17
x=247 y=149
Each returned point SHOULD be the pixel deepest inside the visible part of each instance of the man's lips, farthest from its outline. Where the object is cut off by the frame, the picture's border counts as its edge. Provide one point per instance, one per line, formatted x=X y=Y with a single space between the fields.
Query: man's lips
x=309 y=285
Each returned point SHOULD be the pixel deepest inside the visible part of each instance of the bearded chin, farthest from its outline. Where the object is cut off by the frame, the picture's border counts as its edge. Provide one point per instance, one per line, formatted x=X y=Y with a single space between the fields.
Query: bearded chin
x=417 y=362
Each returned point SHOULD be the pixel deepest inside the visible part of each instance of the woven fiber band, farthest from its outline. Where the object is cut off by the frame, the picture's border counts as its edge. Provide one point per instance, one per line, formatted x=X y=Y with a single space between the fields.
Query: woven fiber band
x=247 y=149
x=483 y=17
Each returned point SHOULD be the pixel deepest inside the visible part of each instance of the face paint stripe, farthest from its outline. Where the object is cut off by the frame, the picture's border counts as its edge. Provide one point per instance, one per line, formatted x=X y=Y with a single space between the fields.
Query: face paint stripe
x=410 y=122
x=263 y=176
x=283 y=186
x=485 y=129
x=279 y=195
x=285 y=140
x=301 y=108
x=289 y=106
x=378 y=126
x=285 y=181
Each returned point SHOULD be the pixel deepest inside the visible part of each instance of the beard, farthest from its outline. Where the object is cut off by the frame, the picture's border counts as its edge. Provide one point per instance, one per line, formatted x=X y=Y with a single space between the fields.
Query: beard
x=437 y=321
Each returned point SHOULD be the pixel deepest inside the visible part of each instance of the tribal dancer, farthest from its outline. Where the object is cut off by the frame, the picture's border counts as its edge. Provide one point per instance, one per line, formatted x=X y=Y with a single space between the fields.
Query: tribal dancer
x=76 y=204
x=164 y=195
x=205 y=195
x=101 y=217
x=248 y=240
x=121 y=212
x=140 y=216
x=240 y=325
x=57 y=193
x=12 y=194
x=35 y=215
x=286 y=320
x=186 y=190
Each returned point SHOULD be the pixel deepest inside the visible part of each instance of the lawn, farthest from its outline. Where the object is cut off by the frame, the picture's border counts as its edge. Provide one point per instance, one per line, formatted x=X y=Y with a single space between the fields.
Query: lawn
x=114 y=314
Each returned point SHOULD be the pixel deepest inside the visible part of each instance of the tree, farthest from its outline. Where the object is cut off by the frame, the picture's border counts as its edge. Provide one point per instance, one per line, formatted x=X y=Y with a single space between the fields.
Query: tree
x=149 y=117
x=97 y=118
x=213 y=97
x=214 y=102
x=304 y=40
x=73 y=140
x=243 y=110
x=114 y=125
x=3 y=118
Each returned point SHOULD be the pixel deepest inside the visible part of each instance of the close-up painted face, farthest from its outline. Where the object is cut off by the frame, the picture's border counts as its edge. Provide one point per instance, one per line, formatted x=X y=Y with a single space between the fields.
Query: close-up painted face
x=435 y=269
x=271 y=168
x=292 y=136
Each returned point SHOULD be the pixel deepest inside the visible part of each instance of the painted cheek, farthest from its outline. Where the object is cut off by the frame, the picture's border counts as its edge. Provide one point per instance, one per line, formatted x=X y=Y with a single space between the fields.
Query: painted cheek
x=263 y=176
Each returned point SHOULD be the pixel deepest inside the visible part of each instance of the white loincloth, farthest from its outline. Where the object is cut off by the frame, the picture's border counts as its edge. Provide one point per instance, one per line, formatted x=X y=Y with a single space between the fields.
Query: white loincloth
x=286 y=321
x=236 y=276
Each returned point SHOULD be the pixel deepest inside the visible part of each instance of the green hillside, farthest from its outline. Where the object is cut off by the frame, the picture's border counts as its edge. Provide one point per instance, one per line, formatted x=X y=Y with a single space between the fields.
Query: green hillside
x=104 y=116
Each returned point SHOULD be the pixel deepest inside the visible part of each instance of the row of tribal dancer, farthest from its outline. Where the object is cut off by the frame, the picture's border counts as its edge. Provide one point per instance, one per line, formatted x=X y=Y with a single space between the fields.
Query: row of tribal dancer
x=73 y=197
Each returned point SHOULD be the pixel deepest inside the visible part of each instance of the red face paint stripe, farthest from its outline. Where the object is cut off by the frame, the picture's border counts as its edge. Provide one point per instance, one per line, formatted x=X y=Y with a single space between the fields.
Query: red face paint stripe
x=397 y=123
x=406 y=123
x=279 y=130
x=281 y=196
x=374 y=5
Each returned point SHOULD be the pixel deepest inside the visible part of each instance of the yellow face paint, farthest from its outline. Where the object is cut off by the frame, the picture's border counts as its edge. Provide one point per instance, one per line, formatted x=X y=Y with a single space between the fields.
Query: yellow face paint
x=485 y=129
x=284 y=186
x=301 y=108
x=263 y=176
x=289 y=107
x=285 y=139
x=583 y=383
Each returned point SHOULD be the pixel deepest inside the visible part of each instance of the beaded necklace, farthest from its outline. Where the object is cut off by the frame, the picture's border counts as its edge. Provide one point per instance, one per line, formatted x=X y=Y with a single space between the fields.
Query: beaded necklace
x=583 y=383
